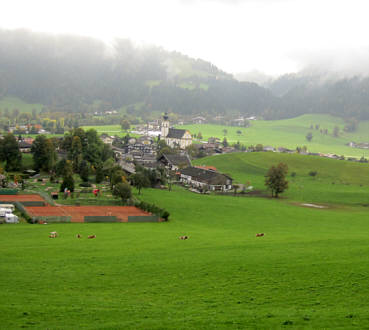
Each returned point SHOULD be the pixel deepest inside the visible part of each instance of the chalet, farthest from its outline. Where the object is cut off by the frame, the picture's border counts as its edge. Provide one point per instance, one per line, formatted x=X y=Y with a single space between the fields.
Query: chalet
x=175 y=162
x=213 y=140
x=107 y=139
x=175 y=137
x=202 y=178
x=24 y=146
x=198 y=120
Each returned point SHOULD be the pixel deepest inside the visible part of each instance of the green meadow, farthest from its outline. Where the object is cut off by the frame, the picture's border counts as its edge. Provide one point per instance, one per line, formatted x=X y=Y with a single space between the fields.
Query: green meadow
x=310 y=270
x=337 y=182
x=12 y=103
x=108 y=129
x=290 y=133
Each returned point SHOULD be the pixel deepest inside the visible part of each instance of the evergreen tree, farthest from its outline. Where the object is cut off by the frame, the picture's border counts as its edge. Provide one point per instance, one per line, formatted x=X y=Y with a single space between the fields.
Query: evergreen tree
x=44 y=154
x=10 y=153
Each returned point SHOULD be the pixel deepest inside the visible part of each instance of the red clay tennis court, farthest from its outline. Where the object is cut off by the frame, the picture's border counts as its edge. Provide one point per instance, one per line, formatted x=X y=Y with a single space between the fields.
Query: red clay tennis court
x=21 y=198
x=79 y=212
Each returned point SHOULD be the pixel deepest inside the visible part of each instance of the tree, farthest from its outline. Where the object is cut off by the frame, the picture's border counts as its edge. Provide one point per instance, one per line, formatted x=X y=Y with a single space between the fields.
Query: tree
x=76 y=152
x=44 y=154
x=10 y=153
x=140 y=180
x=225 y=142
x=125 y=124
x=122 y=190
x=84 y=170
x=225 y=131
x=199 y=136
x=68 y=180
x=336 y=131
x=99 y=173
x=275 y=179
x=259 y=147
x=309 y=136
x=239 y=132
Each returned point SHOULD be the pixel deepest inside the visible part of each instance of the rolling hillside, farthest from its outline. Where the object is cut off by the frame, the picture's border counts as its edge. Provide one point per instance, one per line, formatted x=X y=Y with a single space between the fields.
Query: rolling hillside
x=337 y=182
x=290 y=133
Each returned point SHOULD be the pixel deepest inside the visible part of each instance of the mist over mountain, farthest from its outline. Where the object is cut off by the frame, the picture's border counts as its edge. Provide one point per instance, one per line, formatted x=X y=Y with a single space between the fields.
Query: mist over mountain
x=70 y=74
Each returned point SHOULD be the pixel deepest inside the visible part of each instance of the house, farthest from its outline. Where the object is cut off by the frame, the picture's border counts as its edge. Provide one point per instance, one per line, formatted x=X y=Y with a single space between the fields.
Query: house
x=213 y=140
x=107 y=139
x=202 y=178
x=268 y=148
x=24 y=147
x=198 y=120
x=175 y=162
x=175 y=137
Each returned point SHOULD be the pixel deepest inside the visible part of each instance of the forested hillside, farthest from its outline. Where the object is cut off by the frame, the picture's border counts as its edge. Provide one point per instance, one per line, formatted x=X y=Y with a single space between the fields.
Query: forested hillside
x=80 y=74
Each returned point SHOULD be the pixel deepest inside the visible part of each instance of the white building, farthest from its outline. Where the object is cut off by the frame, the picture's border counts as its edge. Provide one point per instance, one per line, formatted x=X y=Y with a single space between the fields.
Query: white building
x=175 y=137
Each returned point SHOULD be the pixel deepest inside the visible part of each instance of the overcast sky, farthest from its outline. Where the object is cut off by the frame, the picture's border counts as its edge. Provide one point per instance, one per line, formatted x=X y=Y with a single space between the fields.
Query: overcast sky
x=272 y=36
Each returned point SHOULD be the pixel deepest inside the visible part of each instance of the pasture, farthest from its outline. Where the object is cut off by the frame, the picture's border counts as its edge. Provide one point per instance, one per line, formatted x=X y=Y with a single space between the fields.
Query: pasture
x=310 y=270
x=12 y=103
x=290 y=133
x=337 y=182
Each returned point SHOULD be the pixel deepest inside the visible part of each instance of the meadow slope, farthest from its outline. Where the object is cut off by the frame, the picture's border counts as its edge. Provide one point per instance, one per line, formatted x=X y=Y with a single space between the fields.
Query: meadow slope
x=290 y=133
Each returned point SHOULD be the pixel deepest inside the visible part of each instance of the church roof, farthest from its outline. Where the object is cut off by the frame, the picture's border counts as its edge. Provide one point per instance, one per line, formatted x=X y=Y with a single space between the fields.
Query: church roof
x=175 y=133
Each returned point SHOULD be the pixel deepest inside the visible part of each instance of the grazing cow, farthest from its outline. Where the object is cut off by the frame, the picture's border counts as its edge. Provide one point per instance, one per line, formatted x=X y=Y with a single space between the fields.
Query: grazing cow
x=259 y=234
x=79 y=236
x=53 y=234
x=183 y=237
x=92 y=236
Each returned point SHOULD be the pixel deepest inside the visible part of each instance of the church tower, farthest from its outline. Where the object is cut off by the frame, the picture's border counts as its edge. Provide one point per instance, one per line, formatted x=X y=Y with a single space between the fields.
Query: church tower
x=165 y=126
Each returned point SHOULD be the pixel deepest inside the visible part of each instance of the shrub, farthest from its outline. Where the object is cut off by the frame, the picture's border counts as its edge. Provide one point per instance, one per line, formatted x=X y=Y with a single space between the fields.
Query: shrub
x=313 y=173
x=85 y=184
x=293 y=174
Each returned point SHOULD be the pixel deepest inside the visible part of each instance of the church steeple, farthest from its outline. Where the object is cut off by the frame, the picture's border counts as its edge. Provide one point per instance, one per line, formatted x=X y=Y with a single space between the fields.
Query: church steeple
x=165 y=125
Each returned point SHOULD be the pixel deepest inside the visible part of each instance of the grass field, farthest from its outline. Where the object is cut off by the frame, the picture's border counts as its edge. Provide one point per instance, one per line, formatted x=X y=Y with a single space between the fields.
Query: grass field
x=12 y=103
x=337 y=182
x=291 y=133
x=310 y=270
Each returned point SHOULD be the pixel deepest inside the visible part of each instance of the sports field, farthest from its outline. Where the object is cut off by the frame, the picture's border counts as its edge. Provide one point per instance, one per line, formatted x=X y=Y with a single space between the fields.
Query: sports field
x=78 y=213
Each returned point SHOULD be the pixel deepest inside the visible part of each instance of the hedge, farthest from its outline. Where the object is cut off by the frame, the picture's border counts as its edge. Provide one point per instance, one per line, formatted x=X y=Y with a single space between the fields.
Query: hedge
x=7 y=191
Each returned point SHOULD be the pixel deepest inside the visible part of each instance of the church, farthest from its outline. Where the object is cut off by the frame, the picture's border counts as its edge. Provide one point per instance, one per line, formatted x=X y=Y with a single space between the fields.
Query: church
x=175 y=137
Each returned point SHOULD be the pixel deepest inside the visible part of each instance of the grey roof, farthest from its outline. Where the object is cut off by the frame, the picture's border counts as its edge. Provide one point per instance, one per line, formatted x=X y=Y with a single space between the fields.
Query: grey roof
x=175 y=133
x=206 y=176
x=24 y=144
x=179 y=160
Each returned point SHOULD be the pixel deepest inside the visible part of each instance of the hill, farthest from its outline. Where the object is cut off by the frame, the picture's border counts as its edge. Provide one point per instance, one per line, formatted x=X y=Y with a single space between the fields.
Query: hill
x=336 y=182
x=84 y=75
x=290 y=133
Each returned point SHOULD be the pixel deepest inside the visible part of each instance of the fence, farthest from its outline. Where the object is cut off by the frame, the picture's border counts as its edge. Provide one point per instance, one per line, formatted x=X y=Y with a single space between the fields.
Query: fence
x=95 y=218
x=143 y=218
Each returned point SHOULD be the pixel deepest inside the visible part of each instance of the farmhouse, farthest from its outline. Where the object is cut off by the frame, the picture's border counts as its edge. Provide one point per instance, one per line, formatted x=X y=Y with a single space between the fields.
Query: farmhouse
x=174 y=162
x=205 y=178
x=175 y=137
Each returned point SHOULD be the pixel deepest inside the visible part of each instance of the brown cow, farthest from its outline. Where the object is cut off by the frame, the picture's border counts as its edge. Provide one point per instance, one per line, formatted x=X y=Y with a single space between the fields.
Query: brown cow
x=92 y=236
x=259 y=234
x=183 y=237
x=79 y=236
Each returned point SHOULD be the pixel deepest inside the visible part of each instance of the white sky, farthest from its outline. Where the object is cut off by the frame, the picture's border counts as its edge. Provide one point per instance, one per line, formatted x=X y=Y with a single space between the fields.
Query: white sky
x=272 y=36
